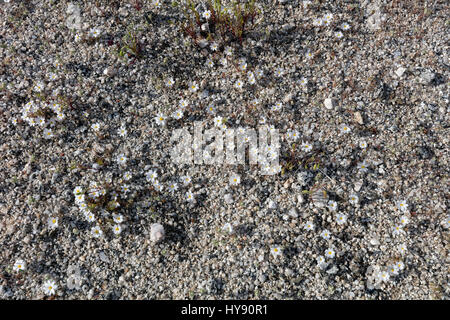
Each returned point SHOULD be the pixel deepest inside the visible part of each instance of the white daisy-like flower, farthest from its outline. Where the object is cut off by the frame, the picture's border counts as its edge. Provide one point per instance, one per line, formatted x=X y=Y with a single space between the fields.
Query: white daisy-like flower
x=404 y=220
x=48 y=133
x=160 y=119
x=303 y=81
x=79 y=198
x=309 y=226
x=446 y=222
x=185 y=180
x=90 y=217
x=228 y=51
x=39 y=86
x=209 y=63
x=125 y=188
x=275 y=251
x=397 y=230
x=60 y=116
x=223 y=61
x=156 y=3
x=122 y=159
x=362 y=166
x=193 y=86
x=158 y=186
x=330 y=253
x=206 y=14
x=279 y=72
x=127 y=176
x=332 y=205
x=345 y=26
x=238 y=84
x=19 y=265
x=325 y=234
x=77 y=38
x=354 y=199
x=402 y=248
x=96 y=232
x=321 y=262
x=214 y=46
x=77 y=190
x=402 y=205
x=183 y=104
x=173 y=187
x=306 y=146
x=259 y=73
x=383 y=276
x=328 y=18
x=400 y=265
x=95 y=126
x=52 y=222
x=234 y=179
x=178 y=114
x=94 y=33
x=345 y=128
x=211 y=109
x=169 y=82
x=117 y=229
x=151 y=176
x=227 y=227
x=277 y=106
x=218 y=121
x=363 y=144
x=49 y=287
x=339 y=34
x=189 y=196
x=52 y=76
x=341 y=218
x=393 y=270
x=309 y=54
x=122 y=131
x=318 y=22
x=118 y=218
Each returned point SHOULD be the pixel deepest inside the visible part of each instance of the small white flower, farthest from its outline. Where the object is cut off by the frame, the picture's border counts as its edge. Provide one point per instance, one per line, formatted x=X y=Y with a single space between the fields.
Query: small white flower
x=223 y=61
x=209 y=63
x=345 y=128
x=341 y=218
x=90 y=217
x=397 y=230
x=156 y=3
x=228 y=51
x=117 y=229
x=19 y=265
x=238 y=84
x=95 y=126
x=362 y=166
x=303 y=81
x=321 y=262
x=318 y=22
x=446 y=222
x=306 y=146
x=122 y=131
x=169 y=82
x=259 y=73
x=183 y=104
x=151 y=176
x=122 y=159
x=118 y=218
x=279 y=72
x=94 y=33
x=161 y=119
x=124 y=188
x=48 y=133
x=400 y=265
x=185 y=180
x=206 y=14
x=345 y=26
x=277 y=106
x=383 y=276
x=79 y=198
x=173 y=187
x=354 y=199
x=189 y=196
x=52 y=222
x=49 y=287
x=218 y=121
x=402 y=206
x=393 y=270
x=214 y=46
x=275 y=251
x=127 y=176
x=325 y=234
x=39 y=86
x=402 y=248
x=309 y=54
x=332 y=205
x=52 y=76
x=235 y=179
x=211 y=109
x=338 y=34
x=178 y=114
x=77 y=190
x=404 y=220
x=363 y=144
x=329 y=253
x=309 y=226
x=77 y=38
x=193 y=87
x=96 y=231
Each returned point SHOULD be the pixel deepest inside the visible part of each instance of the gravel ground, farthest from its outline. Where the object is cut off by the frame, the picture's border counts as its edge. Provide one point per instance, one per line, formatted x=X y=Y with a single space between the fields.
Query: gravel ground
x=363 y=214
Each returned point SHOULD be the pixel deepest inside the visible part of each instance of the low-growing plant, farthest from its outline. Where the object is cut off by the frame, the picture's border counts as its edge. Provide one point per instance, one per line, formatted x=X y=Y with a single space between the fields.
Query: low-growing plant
x=229 y=23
